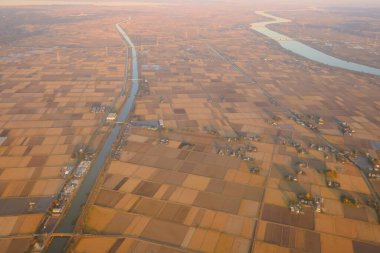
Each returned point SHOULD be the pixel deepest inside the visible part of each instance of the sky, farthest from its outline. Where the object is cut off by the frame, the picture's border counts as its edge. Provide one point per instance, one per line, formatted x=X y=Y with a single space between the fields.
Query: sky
x=343 y=3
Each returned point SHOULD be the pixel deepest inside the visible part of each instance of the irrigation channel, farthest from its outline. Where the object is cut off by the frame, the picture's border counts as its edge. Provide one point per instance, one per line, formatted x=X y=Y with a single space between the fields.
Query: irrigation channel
x=68 y=222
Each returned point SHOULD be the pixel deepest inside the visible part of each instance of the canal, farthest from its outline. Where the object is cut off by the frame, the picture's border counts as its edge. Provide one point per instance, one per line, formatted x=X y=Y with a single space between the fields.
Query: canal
x=305 y=50
x=68 y=222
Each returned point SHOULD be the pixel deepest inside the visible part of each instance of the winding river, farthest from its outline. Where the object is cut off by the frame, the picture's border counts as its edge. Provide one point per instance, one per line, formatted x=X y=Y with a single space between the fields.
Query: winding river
x=304 y=50
x=68 y=222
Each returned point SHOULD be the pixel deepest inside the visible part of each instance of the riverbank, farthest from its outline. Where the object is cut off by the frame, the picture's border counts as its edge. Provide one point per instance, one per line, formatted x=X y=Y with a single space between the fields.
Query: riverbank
x=306 y=51
x=353 y=35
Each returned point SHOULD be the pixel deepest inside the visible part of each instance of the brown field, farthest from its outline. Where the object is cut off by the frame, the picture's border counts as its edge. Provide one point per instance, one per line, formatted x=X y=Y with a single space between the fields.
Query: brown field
x=207 y=76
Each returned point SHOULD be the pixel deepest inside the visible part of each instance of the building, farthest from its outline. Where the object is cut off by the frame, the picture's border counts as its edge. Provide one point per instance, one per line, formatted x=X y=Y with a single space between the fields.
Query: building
x=57 y=211
x=161 y=123
x=111 y=116
x=66 y=170
x=82 y=168
x=2 y=139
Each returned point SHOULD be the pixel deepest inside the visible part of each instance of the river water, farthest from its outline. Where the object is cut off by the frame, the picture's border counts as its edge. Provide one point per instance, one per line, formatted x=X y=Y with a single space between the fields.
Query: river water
x=67 y=223
x=305 y=50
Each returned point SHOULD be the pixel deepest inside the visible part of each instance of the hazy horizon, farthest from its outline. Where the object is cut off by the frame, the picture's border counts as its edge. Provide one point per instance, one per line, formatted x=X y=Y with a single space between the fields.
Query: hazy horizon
x=336 y=3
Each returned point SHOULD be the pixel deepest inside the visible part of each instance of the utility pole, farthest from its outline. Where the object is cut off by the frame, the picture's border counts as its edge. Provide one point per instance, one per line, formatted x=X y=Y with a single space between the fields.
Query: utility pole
x=58 y=56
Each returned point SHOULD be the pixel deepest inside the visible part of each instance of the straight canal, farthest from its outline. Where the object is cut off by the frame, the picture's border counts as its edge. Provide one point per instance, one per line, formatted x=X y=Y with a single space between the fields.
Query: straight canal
x=68 y=222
